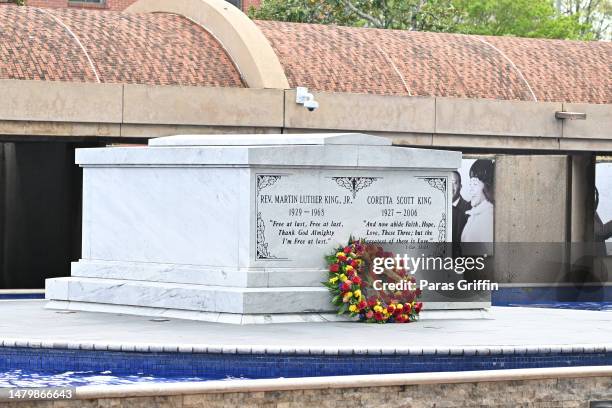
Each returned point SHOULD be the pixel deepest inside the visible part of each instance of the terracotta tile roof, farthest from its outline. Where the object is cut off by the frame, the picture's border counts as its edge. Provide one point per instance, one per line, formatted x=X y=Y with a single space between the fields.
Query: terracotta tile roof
x=32 y=46
x=163 y=49
x=393 y=62
x=167 y=49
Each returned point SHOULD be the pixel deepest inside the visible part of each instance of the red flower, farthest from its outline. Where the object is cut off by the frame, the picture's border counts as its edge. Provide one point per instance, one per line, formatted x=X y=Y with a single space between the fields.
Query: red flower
x=341 y=257
x=346 y=285
x=334 y=267
x=418 y=307
x=391 y=308
x=369 y=314
x=354 y=263
x=357 y=280
x=372 y=302
x=362 y=304
x=407 y=307
x=347 y=250
x=378 y=316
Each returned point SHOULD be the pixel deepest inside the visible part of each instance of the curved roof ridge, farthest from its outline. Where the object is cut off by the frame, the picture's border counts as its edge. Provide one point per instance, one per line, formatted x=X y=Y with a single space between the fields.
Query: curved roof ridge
x=238 y=34
x=75 y=38
x=511 y=63
x=399 y=74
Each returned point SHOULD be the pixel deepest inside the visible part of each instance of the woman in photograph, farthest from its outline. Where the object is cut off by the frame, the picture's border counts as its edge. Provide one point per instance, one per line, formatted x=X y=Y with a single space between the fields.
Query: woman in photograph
x=479 y=225
x=603 y=231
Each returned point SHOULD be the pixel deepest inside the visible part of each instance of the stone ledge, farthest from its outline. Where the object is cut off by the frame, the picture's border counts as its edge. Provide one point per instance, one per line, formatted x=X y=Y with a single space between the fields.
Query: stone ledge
x=200 y=275
x=352 y=381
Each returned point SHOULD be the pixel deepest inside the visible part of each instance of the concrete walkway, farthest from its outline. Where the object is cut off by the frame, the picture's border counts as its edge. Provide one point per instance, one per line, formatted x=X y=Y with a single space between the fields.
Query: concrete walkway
x=26 y=323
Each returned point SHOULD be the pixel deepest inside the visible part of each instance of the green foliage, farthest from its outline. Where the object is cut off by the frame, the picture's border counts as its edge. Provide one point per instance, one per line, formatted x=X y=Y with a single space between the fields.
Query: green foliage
x=595 y=15
x=523 y=18
x=432 y=15
x=299 y=11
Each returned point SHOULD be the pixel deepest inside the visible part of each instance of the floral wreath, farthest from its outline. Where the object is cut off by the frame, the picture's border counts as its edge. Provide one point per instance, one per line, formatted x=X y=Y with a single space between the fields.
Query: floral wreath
x=349 y=267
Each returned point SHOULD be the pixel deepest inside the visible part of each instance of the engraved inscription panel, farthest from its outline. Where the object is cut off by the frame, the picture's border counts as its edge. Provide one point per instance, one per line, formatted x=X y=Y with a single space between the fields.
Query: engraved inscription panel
x=301 y=215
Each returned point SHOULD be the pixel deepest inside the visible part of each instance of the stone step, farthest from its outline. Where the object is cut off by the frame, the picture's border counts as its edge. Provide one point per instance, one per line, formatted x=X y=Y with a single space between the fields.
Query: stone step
x=201 y=298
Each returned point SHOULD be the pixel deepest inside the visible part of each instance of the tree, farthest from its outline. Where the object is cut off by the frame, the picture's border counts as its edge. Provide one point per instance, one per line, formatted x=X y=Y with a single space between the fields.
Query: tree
x=425 y=15
x=521 y=18
x=596 y=14
x=524 y=18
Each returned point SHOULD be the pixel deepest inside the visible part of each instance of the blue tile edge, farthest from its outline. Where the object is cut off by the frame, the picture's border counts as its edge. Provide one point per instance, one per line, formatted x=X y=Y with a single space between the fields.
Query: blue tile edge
x=506 y=296
x=21 y=296
x=223 y=365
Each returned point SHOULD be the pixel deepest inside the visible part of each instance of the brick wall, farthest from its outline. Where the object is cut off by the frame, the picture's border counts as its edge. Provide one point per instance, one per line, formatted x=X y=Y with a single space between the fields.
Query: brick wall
x=48 y=3
x=108 y=4
x=246 y=4
x=120 y=4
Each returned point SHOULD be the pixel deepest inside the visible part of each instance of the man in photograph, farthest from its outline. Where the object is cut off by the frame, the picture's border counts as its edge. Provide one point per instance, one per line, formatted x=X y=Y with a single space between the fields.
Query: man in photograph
x=460 y=206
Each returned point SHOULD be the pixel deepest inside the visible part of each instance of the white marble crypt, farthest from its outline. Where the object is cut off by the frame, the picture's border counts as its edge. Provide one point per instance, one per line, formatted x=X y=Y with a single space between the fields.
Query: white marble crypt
x=233 y=228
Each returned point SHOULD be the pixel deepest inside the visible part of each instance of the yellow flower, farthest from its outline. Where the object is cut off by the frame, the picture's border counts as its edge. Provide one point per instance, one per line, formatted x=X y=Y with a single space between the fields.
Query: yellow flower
x=333 y=280
x=399 y=306
x=377 y=308
x=357 y=293
x=352 y=308
x=349 y=294
x=349 y=268
x=385 y=311
x=343 y=277
x=340 y=254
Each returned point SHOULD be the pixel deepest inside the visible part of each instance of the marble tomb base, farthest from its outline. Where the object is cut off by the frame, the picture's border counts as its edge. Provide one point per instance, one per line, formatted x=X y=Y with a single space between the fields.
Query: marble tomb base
x=234 y=228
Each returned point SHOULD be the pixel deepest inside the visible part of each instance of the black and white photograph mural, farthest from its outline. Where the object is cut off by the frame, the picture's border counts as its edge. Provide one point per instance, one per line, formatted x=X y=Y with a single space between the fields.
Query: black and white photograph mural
x=603 y=200
x=473 y=200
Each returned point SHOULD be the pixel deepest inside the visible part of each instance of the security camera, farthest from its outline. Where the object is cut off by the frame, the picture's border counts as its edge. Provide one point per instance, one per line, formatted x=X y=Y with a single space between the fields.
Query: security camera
x=311 y=105
x=303 y=97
